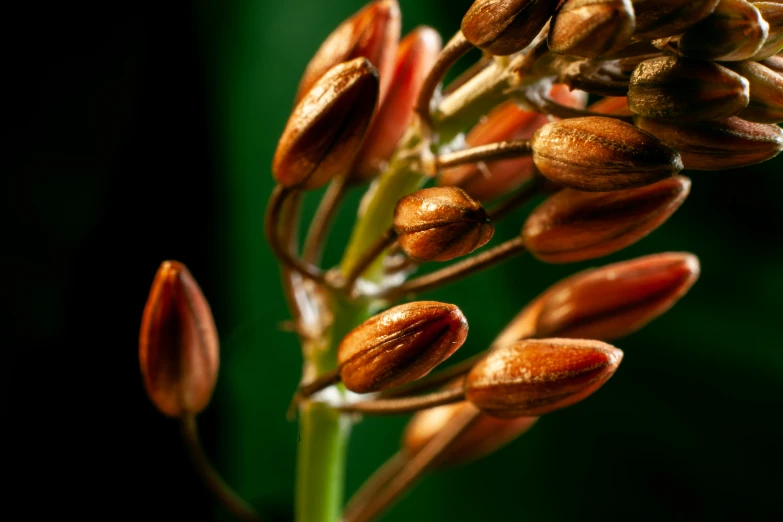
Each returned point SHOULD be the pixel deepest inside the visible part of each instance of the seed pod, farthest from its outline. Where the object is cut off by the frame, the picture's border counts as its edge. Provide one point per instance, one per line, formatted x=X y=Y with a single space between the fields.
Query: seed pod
x=485 y=436
x=718 y=145
x=372 y=33
x=313 y=149
x=440 y=223
x=415 y=57
x=503 y=27
x=573 y=226
x=614 y=105
x=591 y=28
x=661 y=18
x=684 y=89
x=772 y=13
x=734 y=31
x=178 y=343
x=400 y=345
x=766 y=92
x=598 y=154
x=536 y=377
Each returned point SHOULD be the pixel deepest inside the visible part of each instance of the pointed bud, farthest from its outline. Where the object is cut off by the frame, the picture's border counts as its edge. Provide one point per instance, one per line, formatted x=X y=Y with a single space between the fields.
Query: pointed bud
x=178 y=343
x=312 y=149
x=371 y=33
x=718 y=145
x=614 y=105
x=766 y=92
x=684 y=89
x=441 y=223
x=591 y=28
x=536 y=377
x=772 y=13
x=597 y=154
x=503 y=27
x=661 y=18
x=415 y=57
x=400 y=345
x=573 y=226
x=485 y=436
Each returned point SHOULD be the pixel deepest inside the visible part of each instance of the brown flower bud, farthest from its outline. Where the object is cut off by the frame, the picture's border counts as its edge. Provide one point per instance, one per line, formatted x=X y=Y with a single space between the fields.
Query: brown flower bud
x=735 y=30
x=486 y=435
x=718 y=145
x=441 y=223
x=591 y=28
x=574 y=226
x=313 y=149
x=178 y=343
x=372 y=33
x=614 y=105
x=400 y=345
x=415 y=57
x=598 y=154
x=535 y=377
x=766 y=92
x=503 y=27
x=772 y=13
x=660 y=18
x=676 y=88
x=774 y=63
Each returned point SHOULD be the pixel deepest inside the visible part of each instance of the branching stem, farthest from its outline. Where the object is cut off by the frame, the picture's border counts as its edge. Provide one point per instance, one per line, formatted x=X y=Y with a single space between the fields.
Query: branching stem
x=405 y=404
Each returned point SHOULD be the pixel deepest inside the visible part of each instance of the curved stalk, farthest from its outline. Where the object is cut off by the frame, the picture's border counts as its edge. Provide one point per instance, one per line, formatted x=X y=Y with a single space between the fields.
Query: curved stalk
x=405 y=404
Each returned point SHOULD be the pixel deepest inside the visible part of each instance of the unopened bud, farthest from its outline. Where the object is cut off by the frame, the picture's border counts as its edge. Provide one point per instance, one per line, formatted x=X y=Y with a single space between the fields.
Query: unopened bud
x=614 y=105
x=734 y=31
x=718 y=145
x=503 y=27
x=535 y=377
x=372 y=33
x=598 y=154
x=441 y=223
x=772 y=13
x=685 y=89
x=661 y=18
x=313 y=148
x=400 y=345
x=766 y=92
x=774 y=63
x=591 y=28
x=573 y=226
x=178 y=343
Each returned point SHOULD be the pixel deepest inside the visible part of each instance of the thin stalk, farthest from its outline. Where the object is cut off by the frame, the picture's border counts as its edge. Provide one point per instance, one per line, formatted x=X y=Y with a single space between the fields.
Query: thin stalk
x=550 y=107
x=490 y=152
x=373 y=485
x=366 y=260
x=405 y=404
x=434 y=380
x=327 y=209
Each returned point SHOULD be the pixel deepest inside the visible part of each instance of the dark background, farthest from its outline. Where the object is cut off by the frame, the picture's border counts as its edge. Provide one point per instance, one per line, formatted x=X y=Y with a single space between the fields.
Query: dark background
x=142 y=133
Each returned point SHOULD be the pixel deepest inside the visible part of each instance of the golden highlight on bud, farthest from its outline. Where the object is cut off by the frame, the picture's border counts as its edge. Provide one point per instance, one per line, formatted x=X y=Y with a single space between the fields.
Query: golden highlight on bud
x=400 y=345
x=503 y=27
x=575 y=226
x=772 y=13
x=598 y=154
x=591 y=28
x=441 y=223
x=178 y=343
x=686 y=89
x=661 y=18
x=313 y=149
x=535 y=377
x=766 y=92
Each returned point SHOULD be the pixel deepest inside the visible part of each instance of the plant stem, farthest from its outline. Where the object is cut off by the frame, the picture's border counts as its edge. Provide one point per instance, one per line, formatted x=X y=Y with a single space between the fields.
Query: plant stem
x=490 y=152
x=405 y=404
x=322 y=221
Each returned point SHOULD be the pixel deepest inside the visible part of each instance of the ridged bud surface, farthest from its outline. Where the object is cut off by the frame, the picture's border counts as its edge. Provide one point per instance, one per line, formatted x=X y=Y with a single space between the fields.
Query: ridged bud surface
x=735 y=30
x=503 y=27
x=772 y=13
x=591 y=28
x=766 y=92
x=661 y=18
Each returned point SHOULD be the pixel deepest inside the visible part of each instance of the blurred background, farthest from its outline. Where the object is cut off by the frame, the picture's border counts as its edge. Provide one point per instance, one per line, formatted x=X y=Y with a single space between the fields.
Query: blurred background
x=141 y=133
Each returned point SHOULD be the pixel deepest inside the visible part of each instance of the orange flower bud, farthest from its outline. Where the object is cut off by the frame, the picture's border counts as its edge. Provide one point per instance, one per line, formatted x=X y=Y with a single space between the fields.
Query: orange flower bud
x=534 y=377
x=660 y=18
x=178 y=343
x=441 y=223
x=574 y=226
x=772 y=13
x=591 y=28
x=614 y=105
x=766 y=92
x=774 y=63
x=400 y=345
x=312 y=149
x=735 y=30
x=598 y=154
x=503 y=27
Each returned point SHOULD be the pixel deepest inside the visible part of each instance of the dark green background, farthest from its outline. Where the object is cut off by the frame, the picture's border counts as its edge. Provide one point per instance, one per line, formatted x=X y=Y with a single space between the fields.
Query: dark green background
x=146 y=133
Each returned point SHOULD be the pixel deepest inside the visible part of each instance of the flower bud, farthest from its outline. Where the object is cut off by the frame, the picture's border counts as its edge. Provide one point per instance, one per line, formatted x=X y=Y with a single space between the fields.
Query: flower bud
x=734 y=31
x=766 y=92
x=534 y=377
x=661 y=18
x=573 y=226
x=503 y=27
x=313 y=148
x=400 y=345
x=684 y=89
x=591 y=28
x=772 y=13
x=441 y=223
x=178 y=343
x=614 y=105
x=774 y=63
x=415 y=57
x=598 y=154
x=371 y=33
x=718 y=145
x=485 y=436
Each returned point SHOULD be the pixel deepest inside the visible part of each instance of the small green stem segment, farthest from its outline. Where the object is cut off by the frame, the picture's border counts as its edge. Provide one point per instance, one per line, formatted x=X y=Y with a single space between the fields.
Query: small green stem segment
x=222 y=491
x=490 y=152
x=366 y=260
x=404 y=404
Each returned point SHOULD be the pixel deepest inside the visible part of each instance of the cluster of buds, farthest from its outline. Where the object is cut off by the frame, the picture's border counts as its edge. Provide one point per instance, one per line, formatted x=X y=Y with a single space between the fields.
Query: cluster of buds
x=675 y=85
